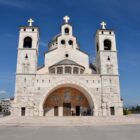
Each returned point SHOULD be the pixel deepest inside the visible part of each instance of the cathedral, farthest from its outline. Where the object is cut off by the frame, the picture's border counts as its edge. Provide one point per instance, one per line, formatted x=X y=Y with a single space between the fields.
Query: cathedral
x=67 y=84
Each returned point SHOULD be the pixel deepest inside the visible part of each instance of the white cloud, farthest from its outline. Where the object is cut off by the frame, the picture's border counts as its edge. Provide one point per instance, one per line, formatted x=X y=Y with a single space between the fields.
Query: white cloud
x=27 y=5
x=13 y=3
x=44 y=44
x=3 y=92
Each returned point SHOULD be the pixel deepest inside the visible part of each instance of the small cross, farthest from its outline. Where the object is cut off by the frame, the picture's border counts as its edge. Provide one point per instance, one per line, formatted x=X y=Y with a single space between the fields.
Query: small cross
x=66 y=19
x=103 y=24
x=30 y=21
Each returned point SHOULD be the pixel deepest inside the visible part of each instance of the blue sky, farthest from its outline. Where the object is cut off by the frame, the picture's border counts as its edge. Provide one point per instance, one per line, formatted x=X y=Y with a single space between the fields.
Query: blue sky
x=121 y=15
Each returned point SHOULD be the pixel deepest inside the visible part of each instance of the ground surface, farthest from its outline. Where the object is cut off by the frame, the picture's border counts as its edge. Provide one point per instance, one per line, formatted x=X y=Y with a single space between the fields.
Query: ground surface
x=87 y=128
x=117 y=132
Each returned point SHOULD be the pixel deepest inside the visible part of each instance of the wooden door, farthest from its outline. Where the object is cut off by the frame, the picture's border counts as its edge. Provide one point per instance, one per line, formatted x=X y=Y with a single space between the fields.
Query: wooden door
x=66 y=109
x=23 y=110
x=112 y=111
x=55 y=110
x=77 y=110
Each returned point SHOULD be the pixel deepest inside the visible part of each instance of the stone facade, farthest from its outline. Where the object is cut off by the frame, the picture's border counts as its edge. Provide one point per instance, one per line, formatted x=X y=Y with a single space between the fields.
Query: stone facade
x=66 y=67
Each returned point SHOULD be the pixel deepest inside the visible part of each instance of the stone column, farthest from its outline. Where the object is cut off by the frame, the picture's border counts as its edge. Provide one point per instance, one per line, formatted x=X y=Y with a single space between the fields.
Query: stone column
x=60 y=111
x=41 y=112
x=104 y=109
x=95 y=112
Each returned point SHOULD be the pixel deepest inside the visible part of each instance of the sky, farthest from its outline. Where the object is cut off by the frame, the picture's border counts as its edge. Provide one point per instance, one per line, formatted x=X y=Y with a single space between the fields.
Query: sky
x=123 y=16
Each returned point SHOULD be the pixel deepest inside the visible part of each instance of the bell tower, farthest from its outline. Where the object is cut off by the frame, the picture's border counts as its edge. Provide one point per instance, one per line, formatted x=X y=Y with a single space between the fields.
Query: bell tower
x=107 y=67
x=106 y=52
x=28 y=49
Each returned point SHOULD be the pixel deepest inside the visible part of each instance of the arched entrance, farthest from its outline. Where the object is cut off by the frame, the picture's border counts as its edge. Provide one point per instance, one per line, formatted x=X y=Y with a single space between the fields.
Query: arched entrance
x=67 y=101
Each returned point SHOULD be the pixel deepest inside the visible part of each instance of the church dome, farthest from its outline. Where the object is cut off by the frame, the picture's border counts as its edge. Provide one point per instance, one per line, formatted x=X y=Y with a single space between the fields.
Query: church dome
x=53 y=44
x=66 y=66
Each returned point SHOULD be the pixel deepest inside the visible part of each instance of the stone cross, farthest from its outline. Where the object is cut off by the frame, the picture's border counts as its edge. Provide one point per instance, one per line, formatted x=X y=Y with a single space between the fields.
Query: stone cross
x=66 y=19
x=30 y=21
x=103 y=24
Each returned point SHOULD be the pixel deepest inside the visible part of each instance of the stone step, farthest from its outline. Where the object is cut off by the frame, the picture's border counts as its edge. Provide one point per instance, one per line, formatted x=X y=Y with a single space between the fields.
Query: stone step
x=68 y=121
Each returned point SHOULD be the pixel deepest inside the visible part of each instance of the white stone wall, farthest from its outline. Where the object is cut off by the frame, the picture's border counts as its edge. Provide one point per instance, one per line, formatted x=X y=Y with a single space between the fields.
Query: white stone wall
x=31 y=60
x=32 y=53
x=103 y=56
x=110 y=79
x=77 y=56
x=32 y=93
x=29 y=32
x=107 y=34
x=74 y=54
x=111 y=94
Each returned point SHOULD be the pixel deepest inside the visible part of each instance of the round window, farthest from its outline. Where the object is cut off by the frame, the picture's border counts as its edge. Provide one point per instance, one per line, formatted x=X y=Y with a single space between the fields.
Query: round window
x=67 y=30
x=70 y=42
x=63 y=42
x=66 y=55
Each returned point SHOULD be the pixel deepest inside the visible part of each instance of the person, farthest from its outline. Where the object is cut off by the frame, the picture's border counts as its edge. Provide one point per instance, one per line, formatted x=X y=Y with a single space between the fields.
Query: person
x=72 y=112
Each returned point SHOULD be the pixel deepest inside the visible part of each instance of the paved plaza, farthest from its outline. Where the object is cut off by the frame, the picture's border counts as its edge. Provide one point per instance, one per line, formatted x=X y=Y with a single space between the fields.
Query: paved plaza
x=113 y=132
x=124 y=128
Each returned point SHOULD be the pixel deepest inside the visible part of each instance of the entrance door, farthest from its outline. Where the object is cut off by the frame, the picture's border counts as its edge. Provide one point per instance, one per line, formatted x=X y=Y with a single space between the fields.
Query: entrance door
x=112 y=111
x=66 y=109
x=23 y=111
x=56 y=111
x=77 y=110
x=0 y=109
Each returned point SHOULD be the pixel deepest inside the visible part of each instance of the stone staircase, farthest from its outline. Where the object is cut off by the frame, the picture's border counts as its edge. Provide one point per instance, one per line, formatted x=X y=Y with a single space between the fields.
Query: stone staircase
x=68 y=121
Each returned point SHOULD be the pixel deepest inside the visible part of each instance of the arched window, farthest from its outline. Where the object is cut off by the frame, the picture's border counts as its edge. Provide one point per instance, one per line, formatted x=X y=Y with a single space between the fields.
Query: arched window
x=108 y=58
x=67 y=30
x=52 y=71
x=25 y=67
x=107 y=44
x=75 y=70
x=26 y=56
x=67 y=70
x=60 y=70
x=27 y=42
x=109 y=69
x=81 y=71
x=97 y=47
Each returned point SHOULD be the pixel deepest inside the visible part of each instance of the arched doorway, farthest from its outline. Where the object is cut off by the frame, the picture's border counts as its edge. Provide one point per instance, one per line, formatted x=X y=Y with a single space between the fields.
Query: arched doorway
x=67 y=101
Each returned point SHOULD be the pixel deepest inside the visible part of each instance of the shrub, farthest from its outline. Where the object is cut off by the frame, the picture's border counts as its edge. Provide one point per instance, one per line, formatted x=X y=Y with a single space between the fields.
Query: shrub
x=127 y=112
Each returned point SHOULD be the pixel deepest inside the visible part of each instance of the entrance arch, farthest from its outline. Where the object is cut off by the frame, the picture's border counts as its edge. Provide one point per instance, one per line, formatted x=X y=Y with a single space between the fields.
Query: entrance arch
x=70 y=84
x=67 y=101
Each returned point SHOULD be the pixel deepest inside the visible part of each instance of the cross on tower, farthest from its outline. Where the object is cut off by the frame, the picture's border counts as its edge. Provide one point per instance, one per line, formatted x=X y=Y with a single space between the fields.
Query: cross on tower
x=103 y=24
x=30 y=21
x=66 y=19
